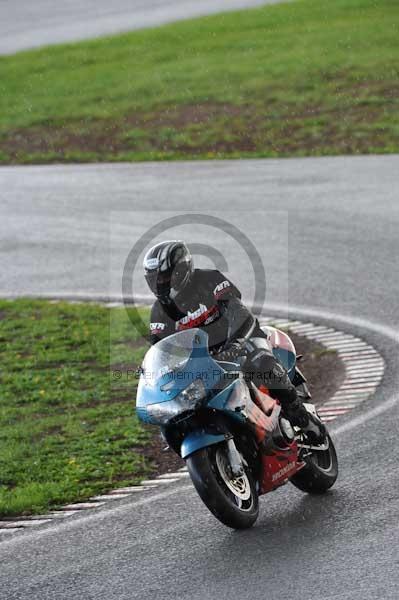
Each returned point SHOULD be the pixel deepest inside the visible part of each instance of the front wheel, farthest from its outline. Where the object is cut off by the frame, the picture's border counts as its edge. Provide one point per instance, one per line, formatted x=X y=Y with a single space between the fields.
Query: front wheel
x=320 y=471
x=233 y=500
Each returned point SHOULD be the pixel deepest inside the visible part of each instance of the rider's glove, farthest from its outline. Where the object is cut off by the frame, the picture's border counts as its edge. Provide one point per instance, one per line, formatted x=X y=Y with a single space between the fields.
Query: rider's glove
x=231 y=352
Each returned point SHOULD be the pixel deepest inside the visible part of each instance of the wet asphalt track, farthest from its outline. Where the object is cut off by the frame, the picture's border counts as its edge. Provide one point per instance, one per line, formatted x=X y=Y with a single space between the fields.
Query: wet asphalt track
x=326 y=229
x=25 y=24
x=342 y=217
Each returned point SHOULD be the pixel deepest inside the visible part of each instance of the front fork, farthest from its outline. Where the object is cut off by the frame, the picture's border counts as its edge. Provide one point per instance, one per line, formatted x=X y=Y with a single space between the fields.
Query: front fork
x=235 y=460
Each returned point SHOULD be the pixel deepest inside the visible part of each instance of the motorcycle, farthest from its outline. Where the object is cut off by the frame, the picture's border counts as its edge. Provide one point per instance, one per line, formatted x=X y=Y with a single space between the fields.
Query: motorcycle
x=233 y=436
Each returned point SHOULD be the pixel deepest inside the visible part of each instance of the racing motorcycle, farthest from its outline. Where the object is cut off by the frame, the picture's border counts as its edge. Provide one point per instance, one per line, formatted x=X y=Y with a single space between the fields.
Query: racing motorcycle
x=233 y=436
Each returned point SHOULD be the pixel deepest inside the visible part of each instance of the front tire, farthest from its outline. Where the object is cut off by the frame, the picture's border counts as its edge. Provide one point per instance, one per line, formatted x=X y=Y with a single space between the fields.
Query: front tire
x=234 y=501
x=320 y=471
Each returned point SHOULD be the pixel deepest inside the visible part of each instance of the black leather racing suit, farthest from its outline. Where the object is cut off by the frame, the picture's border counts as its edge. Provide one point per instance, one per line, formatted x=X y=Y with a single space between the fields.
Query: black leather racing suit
x=211 y=302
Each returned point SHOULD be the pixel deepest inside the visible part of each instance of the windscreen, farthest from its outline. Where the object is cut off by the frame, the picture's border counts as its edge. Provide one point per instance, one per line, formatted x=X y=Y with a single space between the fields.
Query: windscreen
x=168 y=355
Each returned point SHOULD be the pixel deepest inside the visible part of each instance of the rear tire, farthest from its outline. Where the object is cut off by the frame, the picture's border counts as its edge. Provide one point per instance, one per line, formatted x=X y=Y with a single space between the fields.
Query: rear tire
x=237 y=509
x=320 y=472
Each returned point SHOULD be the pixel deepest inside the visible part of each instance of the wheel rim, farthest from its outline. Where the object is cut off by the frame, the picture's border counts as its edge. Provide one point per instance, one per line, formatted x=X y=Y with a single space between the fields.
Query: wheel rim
x=239 y=487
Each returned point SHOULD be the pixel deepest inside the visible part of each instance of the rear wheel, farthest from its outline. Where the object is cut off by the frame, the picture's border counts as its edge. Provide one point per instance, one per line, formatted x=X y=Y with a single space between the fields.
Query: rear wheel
x=233 y=500
x=320 y=471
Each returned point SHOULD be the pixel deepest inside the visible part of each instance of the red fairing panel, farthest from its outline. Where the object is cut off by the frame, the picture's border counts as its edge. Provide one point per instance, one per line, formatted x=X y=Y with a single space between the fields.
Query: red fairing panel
x=277 y=468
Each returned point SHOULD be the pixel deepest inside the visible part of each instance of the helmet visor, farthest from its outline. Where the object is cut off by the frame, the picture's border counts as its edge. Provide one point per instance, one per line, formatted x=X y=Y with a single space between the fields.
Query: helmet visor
x=180 y=275
x=159 y=283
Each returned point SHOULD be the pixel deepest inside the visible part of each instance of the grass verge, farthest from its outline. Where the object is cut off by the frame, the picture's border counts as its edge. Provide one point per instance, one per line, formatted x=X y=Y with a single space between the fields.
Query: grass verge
x=310 y=77
x=68 y=428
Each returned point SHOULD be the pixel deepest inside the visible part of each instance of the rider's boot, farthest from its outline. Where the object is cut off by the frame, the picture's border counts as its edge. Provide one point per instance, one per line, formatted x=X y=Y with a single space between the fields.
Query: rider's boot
x=292 y=405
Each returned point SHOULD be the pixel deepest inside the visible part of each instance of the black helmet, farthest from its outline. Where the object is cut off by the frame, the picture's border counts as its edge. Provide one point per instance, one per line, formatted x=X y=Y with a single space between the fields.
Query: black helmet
x=168 y=267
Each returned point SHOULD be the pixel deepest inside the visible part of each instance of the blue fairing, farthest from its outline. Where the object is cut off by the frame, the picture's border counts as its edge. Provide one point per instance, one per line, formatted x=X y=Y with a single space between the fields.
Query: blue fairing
x=201 y=439
x=190 y=368
x=196 y=440
x=166 y=387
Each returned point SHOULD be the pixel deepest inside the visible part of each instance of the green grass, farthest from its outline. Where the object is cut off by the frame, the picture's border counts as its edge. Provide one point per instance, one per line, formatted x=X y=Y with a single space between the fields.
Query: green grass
x=311 y=77
x=68 y=427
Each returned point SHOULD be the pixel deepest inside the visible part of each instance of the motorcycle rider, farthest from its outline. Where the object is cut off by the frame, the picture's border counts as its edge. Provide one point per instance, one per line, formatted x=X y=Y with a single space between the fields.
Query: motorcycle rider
x=204 y=298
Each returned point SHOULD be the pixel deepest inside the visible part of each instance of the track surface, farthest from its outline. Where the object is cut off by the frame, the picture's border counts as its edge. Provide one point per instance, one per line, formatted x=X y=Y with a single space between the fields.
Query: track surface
x=337 y=218
x=343 y=223
x=25 y=24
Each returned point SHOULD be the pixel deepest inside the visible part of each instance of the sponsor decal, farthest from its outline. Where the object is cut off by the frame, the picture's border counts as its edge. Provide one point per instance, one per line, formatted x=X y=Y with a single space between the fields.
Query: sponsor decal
x=221 y=288
x=152 y=263
x=284 y=471
x=155 y=327
x=201 y=316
